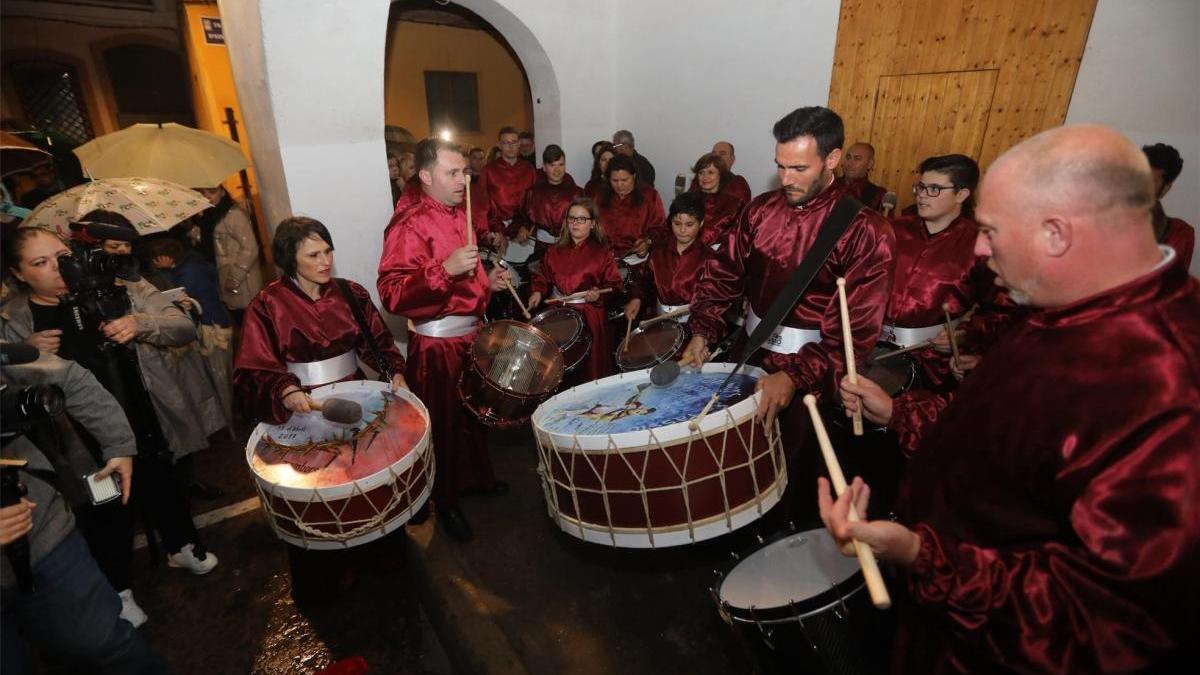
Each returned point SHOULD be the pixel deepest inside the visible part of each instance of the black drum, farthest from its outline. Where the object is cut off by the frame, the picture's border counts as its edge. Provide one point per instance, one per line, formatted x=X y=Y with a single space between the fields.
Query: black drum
x=567 y=327
x=895 y=374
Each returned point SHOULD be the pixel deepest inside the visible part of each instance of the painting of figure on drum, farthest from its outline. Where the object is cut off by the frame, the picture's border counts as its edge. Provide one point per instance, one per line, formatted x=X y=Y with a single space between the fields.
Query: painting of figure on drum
x=311 y=451
x=633 y=406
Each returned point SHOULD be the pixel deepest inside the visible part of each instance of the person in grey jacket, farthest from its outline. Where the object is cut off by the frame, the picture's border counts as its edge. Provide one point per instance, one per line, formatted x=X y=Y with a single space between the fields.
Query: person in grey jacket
x=141 y=376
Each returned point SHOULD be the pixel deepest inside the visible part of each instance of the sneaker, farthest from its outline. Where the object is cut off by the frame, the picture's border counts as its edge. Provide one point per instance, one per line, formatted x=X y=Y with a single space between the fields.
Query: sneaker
x=188 y=560
x=130 y=610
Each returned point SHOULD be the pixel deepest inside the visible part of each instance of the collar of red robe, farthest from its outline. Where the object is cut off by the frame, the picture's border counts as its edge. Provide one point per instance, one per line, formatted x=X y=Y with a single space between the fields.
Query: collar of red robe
x=1166 y=279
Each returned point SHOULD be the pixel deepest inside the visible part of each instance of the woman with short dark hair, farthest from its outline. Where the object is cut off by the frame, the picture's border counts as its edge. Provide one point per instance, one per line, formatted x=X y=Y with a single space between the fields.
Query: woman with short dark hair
x=721 y=208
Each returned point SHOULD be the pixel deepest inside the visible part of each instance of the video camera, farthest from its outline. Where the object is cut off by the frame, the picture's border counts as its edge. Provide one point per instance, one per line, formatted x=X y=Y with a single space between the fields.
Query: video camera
x=91 y=273
x=21 y=408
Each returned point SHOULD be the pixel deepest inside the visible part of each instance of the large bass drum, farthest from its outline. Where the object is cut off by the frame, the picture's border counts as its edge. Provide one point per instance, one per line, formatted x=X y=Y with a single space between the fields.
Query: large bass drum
x=514 y=367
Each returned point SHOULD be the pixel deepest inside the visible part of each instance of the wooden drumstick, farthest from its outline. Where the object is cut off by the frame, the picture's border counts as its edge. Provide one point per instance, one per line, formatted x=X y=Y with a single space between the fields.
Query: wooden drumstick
x=950 y=335
x=848 y=343
x=470 y=222
x=897 y=352
x=524 y=309
x=628 y=328
x=669 y=315
x=577 y=295
x=694 y=425
x=866 y=557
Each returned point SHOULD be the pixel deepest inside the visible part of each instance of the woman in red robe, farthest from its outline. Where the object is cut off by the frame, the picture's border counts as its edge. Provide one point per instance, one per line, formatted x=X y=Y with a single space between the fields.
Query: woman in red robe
x=673 y=269
x=582 y=261
x=602 y=154
x=631 y=211
x=545 y=206
x=721 y=207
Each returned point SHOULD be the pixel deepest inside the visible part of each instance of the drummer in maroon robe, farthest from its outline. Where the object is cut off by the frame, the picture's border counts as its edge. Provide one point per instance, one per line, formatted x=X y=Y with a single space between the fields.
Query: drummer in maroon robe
x=1048 y=522
x=545 y=206
x=773 y=233
x=674 y=268
x=600 y=158
x=507 y=179
x=856 y=171
x=581 y=261
x=1166 y=164
x=721 y=206
x=632 y=212
x=936 y=265
x=431 y=274
x=734 y=185
x=300 y=333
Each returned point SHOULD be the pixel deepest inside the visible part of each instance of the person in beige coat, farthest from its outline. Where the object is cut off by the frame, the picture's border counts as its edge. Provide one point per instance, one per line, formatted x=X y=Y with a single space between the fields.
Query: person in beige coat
x=227 y=240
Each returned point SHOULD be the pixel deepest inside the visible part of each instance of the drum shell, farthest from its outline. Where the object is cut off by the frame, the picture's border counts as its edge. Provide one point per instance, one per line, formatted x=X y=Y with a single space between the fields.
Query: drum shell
x=632 y=359
x=495 y=405
x=574 y=351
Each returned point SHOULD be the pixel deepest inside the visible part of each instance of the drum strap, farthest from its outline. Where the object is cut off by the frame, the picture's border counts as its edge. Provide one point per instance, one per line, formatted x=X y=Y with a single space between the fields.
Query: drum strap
x=832 y=229
x=380 y=364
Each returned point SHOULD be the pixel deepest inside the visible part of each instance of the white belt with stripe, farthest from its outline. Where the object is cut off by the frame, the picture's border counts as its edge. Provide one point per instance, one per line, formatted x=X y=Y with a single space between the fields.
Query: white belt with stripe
x=545 y=236
x=664 y=309
x=784 y=339
x=573 y=301
x=329 y=370
x=451 y=326
x=907 y=337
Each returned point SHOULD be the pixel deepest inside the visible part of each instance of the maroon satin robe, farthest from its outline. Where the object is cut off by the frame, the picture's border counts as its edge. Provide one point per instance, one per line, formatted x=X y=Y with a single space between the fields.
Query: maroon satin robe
x=283 y=325
x=759 y=255
x=1181 y=237
x=579 y=268
x=625 y=221
x=506 y=184
x=858 y=189
x=671 y=276
x=545 y=206
x=937 y=269
x=592 y=189
x=413 y=283
x=1057 y=495
x=721 y=210
x=736 y=187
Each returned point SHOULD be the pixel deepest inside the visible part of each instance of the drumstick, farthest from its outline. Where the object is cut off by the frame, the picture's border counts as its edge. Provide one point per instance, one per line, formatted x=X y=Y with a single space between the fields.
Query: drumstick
x=848 y=343
x=669 y=315
x=470 y=223
x=694 y=425
x=897 y=352
x=866 y=558
x=950 y=334
x=576 y=295
x=524 y=310
x=628 y=327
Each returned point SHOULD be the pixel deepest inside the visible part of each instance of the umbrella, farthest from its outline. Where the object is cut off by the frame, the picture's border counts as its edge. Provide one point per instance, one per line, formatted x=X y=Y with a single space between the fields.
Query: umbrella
x=152 y=205
x=18 y=154
x=170 y=152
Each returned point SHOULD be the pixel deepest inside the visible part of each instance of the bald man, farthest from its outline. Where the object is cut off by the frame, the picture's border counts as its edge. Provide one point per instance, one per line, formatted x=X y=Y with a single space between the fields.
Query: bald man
x=736 y=185
x=856 y=170
x=1049 y=520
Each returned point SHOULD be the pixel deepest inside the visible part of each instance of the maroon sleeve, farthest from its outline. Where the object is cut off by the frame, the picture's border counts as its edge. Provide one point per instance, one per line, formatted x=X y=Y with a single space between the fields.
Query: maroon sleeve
x=260 y=374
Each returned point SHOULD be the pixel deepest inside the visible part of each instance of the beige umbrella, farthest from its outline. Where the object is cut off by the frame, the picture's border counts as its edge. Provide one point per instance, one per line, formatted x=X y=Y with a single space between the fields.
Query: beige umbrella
x=18 y=154
x=152 y=205
x=170 y=152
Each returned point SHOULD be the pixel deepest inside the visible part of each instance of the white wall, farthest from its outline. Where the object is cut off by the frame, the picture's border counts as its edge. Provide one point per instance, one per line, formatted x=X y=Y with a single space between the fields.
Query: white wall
x=1139 y=75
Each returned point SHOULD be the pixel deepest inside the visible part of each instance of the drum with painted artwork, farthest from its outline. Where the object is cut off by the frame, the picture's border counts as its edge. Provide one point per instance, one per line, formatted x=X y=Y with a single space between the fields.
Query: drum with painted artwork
x=327 y=485
x=621 y=466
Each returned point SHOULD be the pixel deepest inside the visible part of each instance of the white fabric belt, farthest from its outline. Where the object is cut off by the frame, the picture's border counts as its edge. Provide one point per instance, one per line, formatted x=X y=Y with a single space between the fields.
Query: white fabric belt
x=784 y=339
x=545 y=236
x=314 y=373
x=574 y=301
x=455 y=325
x=664 y=309
x=635 y=259
x=907 y=337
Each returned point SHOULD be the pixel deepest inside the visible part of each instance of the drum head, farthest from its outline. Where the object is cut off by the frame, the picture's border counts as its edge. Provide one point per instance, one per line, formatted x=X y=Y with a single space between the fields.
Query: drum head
x=895 y=374
x=563 y=324
x=519 y=358
x=651 y=345
x=794 y=576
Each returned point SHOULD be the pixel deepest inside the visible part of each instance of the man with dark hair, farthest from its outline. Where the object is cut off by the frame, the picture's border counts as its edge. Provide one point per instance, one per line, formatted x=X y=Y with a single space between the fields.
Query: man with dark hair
x=475 y=161
x=527 y=148
x=856 y=170
x=773 y=234
x=1047 y=522
x=624 y=144
x=1166 y=165
x=507 y=179
x=431 y=273
x=736 y=186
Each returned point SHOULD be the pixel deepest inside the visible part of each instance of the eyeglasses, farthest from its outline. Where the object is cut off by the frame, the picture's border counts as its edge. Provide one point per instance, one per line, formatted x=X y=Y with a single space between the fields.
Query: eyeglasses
x=578 y=220
x=931 y=190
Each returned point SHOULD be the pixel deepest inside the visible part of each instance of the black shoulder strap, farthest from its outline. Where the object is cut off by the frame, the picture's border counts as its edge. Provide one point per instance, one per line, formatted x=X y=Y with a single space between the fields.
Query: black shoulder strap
x=832 y=228
x=380 y=364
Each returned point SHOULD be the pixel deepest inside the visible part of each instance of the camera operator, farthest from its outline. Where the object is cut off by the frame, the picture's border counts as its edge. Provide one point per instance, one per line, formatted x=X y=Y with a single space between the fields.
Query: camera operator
x=52 y=592
x=122 y=331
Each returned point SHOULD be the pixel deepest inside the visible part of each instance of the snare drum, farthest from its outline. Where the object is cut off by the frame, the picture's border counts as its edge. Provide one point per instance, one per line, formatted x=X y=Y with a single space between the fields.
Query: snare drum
x=895 y=375
x=328 y=486
x=569 y=330
x=651 y=345
x=798 y=606
x=513 y=368
x=621 y=466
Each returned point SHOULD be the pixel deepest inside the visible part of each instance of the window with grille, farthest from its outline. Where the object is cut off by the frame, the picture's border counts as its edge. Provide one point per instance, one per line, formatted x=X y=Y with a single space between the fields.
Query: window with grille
x=50 y=95
x=452 y=100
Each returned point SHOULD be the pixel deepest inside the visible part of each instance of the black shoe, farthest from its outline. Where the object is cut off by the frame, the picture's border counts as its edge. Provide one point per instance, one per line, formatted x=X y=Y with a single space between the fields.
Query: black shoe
x=455 y=524
x=421 y=515
x=206 y=490
x=496 y=489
